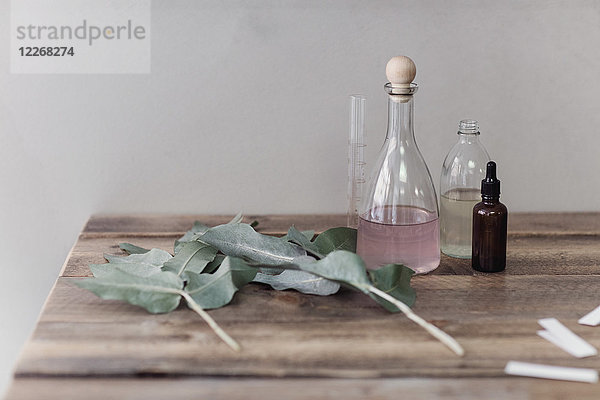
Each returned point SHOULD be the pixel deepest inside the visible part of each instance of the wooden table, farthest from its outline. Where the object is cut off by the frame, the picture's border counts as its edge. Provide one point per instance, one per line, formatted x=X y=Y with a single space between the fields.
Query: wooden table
x=301 y=346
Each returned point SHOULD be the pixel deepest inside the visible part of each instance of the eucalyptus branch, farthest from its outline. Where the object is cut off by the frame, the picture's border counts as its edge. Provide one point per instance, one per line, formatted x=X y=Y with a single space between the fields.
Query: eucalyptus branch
x=432 y=329
x=156 y=280
x=211 y=322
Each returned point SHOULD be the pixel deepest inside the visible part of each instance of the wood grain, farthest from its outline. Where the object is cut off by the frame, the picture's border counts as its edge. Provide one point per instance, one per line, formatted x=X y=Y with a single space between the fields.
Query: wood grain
x=290 y=334
x=84 y=346
x=294 y=389
x=527 y=254
x=541 y=223
x=268 y=224
x=539 y=243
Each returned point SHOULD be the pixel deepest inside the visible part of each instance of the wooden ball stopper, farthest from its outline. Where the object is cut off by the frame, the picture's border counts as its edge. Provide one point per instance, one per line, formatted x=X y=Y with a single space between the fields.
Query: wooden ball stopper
x=400 y=71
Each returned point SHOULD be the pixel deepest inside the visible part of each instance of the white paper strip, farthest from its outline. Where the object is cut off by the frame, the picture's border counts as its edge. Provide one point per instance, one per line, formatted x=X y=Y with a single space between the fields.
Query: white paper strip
x=592 y=318
x=551 y=372
x=548 y=336
x=561 y=336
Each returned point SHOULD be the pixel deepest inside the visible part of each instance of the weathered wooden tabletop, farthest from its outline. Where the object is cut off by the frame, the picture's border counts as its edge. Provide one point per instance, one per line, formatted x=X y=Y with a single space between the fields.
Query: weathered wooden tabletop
x=303 y=346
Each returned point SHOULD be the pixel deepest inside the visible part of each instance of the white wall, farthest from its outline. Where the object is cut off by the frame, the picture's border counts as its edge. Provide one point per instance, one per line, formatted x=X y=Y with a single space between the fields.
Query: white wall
x=246 y=109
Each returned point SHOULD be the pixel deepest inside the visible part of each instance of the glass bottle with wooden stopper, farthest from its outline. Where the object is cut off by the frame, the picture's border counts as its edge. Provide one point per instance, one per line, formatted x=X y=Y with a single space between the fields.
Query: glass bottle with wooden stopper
x=399 y=215
x=490 y=221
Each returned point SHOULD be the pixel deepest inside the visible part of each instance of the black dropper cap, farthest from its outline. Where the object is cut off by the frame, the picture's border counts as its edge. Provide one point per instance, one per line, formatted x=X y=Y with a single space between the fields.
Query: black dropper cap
x=490 y=186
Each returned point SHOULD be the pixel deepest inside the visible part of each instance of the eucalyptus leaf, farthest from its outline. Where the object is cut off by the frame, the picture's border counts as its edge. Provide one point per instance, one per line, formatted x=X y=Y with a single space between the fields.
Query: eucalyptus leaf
x=301 y=281
x=302 y=259
x=142 y=270
x=158 y=293
x=348 y=268
x=273 y=270
x=393 y=279
x=132 y=248
x=197 y=228
x=214 y=264
x=216 y=290
x=156 y=257
x=297 y=237
x=192 y=256
x=241 y=240
x=307 y=234
x=341 y=238
x=340 y=266
x=310 y=234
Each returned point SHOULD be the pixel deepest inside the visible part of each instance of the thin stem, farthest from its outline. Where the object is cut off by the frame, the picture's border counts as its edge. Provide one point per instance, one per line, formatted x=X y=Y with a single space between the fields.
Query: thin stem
x=211 y=322
x=432 y=329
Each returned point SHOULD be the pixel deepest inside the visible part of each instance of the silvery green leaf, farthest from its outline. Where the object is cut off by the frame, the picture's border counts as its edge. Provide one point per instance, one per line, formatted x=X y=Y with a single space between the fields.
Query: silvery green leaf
x=214 y=264
x=158 y=293
x=192 y=256
x=283 y=267
x=341 y=238
x=303 y=259
x=393 y=279
x=100 y=270
x=142 y=270
x=271 y=271
x=301 y=281
x=156 y=257
x=197 y=228
x=307 y=234
x=340 y=266
x=216 y=290
x=349 y=269
x=132 y=249
x=240 y=240
x=297 y=237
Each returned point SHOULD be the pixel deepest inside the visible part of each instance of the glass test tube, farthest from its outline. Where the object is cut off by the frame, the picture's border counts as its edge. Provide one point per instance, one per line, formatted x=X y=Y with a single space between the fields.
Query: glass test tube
x=356 y=163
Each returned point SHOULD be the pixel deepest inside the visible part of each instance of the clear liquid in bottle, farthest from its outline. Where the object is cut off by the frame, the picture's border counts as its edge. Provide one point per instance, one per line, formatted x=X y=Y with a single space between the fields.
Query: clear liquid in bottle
x=456 y=226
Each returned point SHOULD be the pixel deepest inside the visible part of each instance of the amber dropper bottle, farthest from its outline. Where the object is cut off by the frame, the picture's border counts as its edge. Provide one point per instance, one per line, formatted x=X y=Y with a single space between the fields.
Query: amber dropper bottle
x=490 y=220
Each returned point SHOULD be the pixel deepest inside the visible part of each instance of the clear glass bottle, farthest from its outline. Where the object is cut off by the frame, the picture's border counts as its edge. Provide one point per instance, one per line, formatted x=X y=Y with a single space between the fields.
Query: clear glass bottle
x=462 y=171
x=399 y=215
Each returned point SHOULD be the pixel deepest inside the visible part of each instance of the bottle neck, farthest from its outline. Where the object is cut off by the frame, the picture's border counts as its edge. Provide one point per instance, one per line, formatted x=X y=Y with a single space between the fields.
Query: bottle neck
x=490 y=200
x=400 y=119
x=468 y=138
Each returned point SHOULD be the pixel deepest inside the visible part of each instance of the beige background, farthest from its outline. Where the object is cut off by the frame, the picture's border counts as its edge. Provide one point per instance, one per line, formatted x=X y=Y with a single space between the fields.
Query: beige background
x=246 y=109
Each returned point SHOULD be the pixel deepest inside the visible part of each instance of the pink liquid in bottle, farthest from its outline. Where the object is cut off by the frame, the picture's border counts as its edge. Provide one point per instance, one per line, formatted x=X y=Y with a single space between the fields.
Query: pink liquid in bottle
x=411 y=238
